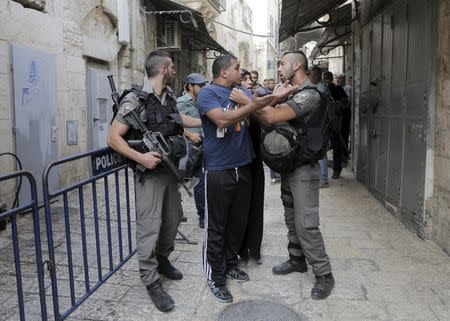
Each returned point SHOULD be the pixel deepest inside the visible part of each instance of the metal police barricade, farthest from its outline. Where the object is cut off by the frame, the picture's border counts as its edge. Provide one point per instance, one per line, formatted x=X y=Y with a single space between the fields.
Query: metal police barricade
x=91 y=239
x=18 y=228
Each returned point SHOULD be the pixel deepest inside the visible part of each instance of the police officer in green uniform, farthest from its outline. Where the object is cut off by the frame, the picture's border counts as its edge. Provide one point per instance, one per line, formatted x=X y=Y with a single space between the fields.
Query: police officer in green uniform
x=300 y=187
x=156 y=192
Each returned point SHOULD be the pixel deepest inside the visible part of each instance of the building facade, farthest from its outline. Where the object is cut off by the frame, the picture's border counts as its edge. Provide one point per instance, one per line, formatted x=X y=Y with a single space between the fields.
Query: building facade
x=401 y=70
x=395 y=55
x=230 y=23
x=55 y=56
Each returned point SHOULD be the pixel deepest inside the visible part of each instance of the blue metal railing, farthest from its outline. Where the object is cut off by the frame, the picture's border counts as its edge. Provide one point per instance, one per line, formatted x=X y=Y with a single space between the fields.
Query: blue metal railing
x=12 y=214
x=73 y=222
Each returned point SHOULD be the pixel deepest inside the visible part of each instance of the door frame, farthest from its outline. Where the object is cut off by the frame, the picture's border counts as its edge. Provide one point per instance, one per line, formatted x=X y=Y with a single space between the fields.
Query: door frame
x=91 y=63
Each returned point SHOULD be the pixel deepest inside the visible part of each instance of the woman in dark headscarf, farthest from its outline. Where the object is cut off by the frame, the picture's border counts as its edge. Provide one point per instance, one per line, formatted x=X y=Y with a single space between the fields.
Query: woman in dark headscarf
x=251 y=245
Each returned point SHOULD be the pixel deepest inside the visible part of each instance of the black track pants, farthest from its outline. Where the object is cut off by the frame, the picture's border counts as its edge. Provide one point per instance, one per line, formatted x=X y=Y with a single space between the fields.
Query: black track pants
x=228 y=194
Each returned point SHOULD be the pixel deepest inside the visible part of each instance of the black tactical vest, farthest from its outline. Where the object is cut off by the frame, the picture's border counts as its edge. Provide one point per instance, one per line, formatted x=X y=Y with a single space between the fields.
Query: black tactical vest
x=164 y=119
x=312 y=138
x=288 y=145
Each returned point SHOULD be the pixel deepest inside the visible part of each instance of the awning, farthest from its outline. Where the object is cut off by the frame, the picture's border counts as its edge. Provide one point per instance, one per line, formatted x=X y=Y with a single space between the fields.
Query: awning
x=298 y=14
x=304 y=37
x=192 y=25
x=336 y=33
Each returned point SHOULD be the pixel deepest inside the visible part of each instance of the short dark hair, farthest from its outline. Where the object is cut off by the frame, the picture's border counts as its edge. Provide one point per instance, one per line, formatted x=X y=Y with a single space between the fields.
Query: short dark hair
x=154 y=61
x=244 y=72
x=255 y=72
x=270 y=79
x=299 y=54
x=221 y=62
x=328 y=75
x=316 y=68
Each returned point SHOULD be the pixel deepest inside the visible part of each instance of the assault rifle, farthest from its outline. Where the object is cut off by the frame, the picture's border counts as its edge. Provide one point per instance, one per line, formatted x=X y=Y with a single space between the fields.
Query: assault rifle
x=154 y=141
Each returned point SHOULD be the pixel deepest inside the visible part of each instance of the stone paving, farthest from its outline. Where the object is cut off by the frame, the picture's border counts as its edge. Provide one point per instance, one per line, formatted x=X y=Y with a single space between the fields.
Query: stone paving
x=383 y=272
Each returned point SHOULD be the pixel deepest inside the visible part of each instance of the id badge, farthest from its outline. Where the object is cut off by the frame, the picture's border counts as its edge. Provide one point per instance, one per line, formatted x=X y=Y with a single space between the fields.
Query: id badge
x=220 y=132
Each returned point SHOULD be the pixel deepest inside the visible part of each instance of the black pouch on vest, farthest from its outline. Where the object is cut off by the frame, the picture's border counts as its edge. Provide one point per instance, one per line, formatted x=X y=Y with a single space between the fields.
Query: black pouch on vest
x=176 y=118
x=177 y=146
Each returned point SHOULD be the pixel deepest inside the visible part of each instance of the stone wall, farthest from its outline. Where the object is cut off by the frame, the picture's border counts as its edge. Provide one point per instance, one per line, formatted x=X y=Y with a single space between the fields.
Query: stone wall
x=78 y=33
x=440 y=206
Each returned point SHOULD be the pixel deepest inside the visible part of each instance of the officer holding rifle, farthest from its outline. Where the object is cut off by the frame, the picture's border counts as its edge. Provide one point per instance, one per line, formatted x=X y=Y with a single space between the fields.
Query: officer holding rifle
x=156 y=192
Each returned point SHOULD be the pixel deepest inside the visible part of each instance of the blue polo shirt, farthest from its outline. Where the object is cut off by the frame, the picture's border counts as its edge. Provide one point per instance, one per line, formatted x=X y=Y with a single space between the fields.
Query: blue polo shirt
x=235 y=148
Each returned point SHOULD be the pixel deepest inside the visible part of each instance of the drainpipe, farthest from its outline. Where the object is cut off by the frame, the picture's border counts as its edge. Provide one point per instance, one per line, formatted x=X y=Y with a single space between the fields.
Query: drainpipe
x=134 y=9
x=343 y=61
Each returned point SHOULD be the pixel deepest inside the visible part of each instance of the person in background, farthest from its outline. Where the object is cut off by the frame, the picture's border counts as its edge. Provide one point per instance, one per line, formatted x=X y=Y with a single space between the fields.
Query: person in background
x=270 y=85
x=346 y=116
x=251 y=245
x=246 y=80
x=255 y=76
x=187 y=105
x=340 y=97
x=257 y=90
x=315 y=75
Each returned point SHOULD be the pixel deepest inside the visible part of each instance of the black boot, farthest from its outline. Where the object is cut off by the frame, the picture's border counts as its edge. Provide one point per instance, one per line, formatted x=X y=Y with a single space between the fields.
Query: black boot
x=167 y=269
x=323 y=286
x=162 y=300
x=336 y=174
x=290 y=266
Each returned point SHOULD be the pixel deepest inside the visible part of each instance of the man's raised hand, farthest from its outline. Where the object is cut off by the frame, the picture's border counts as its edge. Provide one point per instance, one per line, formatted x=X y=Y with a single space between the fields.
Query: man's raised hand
x=239 y=97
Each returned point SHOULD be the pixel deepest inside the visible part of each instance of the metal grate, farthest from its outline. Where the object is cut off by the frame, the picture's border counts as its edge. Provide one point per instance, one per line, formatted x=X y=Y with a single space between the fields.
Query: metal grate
x=259 y=310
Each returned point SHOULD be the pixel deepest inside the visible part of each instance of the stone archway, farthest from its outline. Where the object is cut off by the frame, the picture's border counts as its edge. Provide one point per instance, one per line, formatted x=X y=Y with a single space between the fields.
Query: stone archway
x=99 y=30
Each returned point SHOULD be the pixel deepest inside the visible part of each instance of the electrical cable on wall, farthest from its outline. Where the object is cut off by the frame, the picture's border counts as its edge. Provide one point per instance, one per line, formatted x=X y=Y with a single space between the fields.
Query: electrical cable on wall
x=191 y=17
x=241 y=31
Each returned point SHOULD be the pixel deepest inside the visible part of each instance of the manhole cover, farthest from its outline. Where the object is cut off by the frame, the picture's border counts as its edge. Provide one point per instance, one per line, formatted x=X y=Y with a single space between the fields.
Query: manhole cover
x=258 y=310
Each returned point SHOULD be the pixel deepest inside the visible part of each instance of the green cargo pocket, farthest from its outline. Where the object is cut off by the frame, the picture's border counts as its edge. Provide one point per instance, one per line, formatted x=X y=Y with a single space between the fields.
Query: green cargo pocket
x=311 y=220
x=310 y=210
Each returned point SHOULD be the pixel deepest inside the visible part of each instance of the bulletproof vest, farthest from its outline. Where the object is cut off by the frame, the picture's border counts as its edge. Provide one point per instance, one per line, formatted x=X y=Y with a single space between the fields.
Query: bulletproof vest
x=164 y=119
x=287 y=145
x=159 y=118
x=312 y=139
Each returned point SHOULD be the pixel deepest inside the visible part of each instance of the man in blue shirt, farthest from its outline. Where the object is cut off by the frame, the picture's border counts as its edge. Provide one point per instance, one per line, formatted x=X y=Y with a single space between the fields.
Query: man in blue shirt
x=227 y=152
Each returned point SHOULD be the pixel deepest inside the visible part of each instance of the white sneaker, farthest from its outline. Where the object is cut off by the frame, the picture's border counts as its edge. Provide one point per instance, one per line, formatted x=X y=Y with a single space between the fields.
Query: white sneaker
x=273 y=181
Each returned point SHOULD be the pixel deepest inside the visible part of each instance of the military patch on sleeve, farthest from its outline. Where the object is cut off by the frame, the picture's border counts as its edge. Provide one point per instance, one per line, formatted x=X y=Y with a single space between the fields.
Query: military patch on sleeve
x=307 y=97
x=126 y=108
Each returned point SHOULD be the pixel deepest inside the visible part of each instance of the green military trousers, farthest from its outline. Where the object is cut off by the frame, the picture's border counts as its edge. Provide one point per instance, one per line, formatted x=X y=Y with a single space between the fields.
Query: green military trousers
x=158 y=213
x=300 y=196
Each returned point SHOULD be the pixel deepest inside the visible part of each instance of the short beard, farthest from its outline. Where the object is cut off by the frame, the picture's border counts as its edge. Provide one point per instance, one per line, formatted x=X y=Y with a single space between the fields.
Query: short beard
x=167 y=81
x=289 y=75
